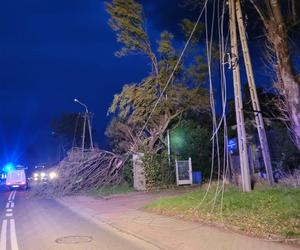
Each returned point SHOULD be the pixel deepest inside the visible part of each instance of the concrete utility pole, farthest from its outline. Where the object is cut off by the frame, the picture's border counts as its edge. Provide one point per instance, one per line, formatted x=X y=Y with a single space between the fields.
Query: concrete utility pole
x=169 y=147
x=83 y=133
x=169 y=142
x=254 y=98
x=244 y=162
x=86 y=119
x=90 y=130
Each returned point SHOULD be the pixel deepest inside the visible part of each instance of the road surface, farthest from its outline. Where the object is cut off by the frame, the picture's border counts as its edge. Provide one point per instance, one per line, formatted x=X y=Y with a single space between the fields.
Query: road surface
x=41 y=224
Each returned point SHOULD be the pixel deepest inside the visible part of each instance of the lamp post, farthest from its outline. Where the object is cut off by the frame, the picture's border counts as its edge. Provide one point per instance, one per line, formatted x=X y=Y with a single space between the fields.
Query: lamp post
x=86 y=119
x=82 y=104
x=169 y=147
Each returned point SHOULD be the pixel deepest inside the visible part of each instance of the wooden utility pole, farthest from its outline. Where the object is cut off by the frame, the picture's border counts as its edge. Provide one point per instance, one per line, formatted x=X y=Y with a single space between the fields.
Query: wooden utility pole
x=244 y=162
x=253 y=93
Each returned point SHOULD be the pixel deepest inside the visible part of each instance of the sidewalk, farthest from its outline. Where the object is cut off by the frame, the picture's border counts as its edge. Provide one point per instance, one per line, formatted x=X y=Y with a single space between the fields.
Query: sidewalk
x=123 y=214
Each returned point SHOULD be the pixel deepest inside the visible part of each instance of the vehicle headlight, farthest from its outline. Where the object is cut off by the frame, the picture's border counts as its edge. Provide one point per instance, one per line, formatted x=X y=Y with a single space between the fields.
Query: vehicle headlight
x=53 y=175
x=43 y=175
x=35 y=175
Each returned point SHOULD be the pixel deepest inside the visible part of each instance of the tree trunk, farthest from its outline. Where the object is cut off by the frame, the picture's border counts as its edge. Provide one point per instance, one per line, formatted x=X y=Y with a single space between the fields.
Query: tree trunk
x=288 y=84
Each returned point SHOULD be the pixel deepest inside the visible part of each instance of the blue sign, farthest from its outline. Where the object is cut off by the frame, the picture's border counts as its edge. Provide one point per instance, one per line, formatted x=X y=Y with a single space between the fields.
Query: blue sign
x=232 y=145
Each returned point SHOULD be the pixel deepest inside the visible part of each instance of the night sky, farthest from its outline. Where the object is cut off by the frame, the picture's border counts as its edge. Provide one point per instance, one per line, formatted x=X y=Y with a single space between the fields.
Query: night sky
x=54 y=50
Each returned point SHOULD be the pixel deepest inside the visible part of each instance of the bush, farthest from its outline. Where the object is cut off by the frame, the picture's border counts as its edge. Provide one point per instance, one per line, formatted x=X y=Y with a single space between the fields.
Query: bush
x=128 y=172
x=189 y=139
x=158 y=173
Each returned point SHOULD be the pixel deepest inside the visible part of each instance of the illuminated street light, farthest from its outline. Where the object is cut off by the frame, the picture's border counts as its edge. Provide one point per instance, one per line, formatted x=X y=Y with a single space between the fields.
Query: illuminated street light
x=82 y=104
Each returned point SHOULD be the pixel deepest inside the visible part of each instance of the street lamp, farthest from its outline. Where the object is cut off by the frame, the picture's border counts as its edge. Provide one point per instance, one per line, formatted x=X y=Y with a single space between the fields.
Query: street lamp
x=82 y=104
x=86 y=118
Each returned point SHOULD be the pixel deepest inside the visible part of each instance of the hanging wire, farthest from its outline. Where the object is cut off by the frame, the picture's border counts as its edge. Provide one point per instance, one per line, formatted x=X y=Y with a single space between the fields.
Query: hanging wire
x=223 y=48
x=174 y=69
x=169 y=79
x=168 y=82
x=214 y=138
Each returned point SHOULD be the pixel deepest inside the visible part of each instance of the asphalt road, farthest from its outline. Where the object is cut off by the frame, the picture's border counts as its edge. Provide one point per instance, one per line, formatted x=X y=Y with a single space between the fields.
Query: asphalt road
x=41 y=224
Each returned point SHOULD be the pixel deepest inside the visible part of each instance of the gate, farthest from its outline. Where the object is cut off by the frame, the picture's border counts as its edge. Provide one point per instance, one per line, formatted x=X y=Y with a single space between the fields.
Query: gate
x=184 y=172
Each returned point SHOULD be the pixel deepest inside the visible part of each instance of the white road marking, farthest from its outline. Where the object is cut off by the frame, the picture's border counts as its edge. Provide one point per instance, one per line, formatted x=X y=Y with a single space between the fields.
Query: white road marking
x=3 y=235
x=9 y=210
x=7 y=205
x=13 y=235
x=14 y=194
x=8 y=214
x=9 y=198
x=12 y=204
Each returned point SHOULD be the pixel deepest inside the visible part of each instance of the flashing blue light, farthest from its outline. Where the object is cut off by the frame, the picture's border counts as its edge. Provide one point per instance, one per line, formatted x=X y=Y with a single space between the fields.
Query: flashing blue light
x=8 y=167
x=232 y=145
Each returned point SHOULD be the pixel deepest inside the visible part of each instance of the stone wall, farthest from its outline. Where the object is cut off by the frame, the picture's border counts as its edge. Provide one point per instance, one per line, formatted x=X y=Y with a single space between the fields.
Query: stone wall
x=139 y=179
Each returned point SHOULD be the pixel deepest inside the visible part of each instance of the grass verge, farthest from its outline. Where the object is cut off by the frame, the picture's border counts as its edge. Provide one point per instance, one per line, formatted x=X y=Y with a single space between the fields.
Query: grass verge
x=111 y=190
x=262 y=212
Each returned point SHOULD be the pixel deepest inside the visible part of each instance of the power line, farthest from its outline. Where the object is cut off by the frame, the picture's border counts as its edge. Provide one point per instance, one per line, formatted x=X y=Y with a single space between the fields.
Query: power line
x=169 y=79
x=174 y=70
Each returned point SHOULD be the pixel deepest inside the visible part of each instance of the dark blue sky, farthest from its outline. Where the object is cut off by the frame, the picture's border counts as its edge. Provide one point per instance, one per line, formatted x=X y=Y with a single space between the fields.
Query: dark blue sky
x=54 y=50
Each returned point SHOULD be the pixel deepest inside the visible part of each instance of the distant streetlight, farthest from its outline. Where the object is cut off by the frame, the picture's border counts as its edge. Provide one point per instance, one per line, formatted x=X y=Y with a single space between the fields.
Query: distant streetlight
x=86 y=119
x=82 y=104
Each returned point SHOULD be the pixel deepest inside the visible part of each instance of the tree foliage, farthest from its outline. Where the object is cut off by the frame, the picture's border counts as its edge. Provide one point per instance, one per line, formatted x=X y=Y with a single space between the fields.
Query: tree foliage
x=271 y=13
x=143 y=111
x=189 y=139
x=157 y=170
x=127 y=21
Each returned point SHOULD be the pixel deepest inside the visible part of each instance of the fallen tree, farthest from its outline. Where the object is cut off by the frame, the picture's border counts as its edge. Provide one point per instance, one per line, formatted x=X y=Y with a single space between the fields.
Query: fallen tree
x=83 y=171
